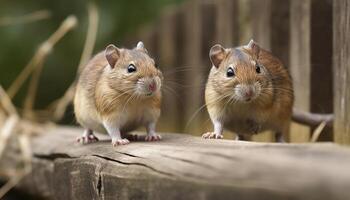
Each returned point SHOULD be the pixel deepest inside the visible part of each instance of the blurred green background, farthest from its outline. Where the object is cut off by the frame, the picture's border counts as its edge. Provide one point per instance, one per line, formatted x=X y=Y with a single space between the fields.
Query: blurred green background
x=18 y=42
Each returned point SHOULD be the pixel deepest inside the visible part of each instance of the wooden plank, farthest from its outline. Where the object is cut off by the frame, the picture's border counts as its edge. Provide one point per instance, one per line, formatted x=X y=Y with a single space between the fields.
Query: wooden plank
x=261 y=22
x=227 y=23
x=208 y=39
x=341 y=30
x=149 y=37
x=321 y=61
x=185 y=167
x=300 y=66
x=244 y=21
x=167 y=61
x=180 y=68
x=194 y=97
x=280 y=30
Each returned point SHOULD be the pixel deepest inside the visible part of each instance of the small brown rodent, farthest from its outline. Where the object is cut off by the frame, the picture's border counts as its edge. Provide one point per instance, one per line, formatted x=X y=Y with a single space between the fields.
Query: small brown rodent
x=248 y=91
x=117 y=92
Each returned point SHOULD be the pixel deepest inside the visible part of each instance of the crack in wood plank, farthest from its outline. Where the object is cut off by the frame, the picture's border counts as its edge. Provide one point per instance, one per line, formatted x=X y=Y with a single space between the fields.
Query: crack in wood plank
x=135 y=163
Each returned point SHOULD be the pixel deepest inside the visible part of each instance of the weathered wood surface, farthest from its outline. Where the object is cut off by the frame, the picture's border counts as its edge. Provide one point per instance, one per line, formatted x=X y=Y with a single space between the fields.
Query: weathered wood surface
x=186 y=167
x=341 y=62
x=300 y=64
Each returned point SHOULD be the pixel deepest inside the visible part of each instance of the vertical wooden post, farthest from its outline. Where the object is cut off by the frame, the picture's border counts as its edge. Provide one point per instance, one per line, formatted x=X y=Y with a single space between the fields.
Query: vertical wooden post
x=261 y=18
x=300 y=66
x=167 y=56
x=194 y=77
x=321 y=61
x=227 y=23
x=280 y=30
x=149 y=36
x=209 y=14
x=270 y=25
x=311 y=56
x=244 y=21
x=341 y=30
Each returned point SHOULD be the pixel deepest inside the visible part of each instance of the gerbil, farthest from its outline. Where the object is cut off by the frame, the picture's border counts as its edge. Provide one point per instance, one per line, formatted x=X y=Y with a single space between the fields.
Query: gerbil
x=117 y=92
x=248 y=91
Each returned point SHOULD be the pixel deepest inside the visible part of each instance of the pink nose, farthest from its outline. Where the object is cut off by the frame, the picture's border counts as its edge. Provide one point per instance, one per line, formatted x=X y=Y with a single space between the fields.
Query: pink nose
x=249 y=93
x=152 y=86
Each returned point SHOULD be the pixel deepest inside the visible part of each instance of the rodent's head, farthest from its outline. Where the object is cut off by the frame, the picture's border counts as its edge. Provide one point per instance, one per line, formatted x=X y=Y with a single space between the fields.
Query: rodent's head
x=238 y=75
x=133 y=71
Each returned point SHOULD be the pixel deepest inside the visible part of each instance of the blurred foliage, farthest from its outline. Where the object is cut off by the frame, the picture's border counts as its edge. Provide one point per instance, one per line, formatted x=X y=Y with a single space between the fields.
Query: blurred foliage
x=18 y=42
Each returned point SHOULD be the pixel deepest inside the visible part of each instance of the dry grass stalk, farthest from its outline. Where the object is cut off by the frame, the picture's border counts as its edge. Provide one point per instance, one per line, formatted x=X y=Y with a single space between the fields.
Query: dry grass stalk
x=61 y=104
x=6 y=103
x=12 y=182
x=317 y=132
x=32 y=90
x=28 y=18
x=10 y=124
x=90 y=37
x=17 y=175
x=25 y=128
x=41 y=54
x=24 y=143
x=7 y=130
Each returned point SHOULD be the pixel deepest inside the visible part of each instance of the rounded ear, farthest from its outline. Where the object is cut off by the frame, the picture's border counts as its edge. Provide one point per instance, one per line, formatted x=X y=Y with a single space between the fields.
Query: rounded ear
x=140 y=46
x=253 y=47
x=217 y=54
x=112 y=54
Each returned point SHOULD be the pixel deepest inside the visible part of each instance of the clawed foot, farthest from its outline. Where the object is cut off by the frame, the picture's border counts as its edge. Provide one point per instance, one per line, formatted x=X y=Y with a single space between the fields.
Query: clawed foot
x=116 y=142
x=212 y=135
x=87 y=139
x=154 y=137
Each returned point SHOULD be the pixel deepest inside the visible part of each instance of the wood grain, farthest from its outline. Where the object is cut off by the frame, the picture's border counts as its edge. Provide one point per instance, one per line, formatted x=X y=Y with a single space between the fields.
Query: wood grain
x=300 y=66
x=341 y=46
x=186 y=167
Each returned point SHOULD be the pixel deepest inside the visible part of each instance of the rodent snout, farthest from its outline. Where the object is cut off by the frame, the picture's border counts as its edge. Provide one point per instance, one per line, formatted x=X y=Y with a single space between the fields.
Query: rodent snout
x=152 y=86
x=245 y=92
x=148 y=86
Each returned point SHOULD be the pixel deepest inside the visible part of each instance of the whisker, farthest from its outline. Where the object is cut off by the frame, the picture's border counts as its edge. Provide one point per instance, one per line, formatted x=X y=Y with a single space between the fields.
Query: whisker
x=203 y=106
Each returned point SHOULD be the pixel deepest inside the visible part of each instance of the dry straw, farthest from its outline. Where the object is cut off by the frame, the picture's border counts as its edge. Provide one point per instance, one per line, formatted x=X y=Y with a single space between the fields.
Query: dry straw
x=28 y=18
x=40 y=55
x=61 y=104
x=23 y=128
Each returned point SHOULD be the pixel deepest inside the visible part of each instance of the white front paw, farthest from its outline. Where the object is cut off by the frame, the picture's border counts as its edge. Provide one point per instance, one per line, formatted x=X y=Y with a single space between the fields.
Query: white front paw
x=116 y=142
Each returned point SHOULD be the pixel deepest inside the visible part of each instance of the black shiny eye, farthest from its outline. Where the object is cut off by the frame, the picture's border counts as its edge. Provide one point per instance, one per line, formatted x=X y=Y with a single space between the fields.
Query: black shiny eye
x=131 y=68
x=156 y=65
x=230 y=72
x=257 y=68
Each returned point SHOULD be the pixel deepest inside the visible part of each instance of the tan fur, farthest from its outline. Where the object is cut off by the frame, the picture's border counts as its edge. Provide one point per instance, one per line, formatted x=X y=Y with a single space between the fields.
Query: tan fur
x=271 y=110
x=104 y=93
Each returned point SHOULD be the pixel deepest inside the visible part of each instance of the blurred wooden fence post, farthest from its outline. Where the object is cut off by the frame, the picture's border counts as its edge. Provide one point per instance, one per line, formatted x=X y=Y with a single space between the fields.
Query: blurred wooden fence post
x=261 y=18
x=227 y=23
x=194 y=77
x=300 y=66
x=167 y=56
x=341 y=30
x=149 y=37
x=280 y=30
x=311 y=60
x=321 y=61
